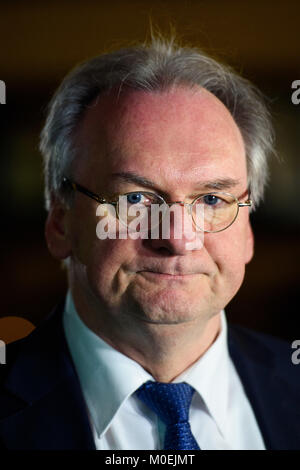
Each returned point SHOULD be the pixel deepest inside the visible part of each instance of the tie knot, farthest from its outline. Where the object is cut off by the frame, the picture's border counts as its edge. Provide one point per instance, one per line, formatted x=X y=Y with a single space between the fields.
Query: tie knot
x=170 y=401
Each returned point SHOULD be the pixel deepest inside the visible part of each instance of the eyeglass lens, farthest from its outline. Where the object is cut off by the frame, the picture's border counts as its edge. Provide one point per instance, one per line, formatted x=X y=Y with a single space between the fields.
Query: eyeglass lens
x=211 y=212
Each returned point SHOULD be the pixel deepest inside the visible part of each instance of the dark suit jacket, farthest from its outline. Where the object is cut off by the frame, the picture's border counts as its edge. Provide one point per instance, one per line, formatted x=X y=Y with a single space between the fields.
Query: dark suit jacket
x=42 y=406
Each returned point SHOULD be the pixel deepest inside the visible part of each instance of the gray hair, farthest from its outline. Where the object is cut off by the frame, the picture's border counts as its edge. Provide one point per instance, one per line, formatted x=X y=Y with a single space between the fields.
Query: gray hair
x=155 y=67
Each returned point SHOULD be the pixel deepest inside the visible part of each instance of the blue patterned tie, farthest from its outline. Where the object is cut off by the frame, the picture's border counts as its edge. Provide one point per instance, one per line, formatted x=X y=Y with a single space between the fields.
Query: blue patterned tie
x=171 y=402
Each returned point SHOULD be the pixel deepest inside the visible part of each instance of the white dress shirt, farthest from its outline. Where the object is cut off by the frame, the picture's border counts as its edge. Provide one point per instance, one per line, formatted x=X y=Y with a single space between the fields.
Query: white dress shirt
x=220 y=414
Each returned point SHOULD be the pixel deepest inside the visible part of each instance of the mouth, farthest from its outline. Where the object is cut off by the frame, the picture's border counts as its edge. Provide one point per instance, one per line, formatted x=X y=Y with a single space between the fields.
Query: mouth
x=168 y=276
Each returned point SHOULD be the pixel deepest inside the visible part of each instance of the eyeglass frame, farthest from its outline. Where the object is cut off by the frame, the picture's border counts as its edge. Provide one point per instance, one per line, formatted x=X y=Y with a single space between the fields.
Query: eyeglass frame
x=78 y=187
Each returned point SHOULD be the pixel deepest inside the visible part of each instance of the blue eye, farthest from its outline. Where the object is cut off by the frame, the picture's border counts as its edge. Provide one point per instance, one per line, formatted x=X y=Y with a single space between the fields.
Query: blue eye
x=211 y=199
x=134 y=198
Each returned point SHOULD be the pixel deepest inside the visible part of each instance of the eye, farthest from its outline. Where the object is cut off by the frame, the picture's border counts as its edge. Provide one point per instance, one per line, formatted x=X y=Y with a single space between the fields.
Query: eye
x=136 y=198
x=211 y=199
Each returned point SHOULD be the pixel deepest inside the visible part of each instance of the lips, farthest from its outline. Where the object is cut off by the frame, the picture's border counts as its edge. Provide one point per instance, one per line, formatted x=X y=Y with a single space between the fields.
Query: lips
x=166 y=275
x=169 y=272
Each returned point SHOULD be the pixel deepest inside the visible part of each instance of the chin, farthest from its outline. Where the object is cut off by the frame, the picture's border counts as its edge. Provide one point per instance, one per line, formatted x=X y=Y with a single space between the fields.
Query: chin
x=170 y=308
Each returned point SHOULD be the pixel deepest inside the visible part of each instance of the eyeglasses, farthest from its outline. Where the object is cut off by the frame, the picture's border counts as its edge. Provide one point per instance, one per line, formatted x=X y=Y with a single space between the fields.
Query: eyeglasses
x=210 y=212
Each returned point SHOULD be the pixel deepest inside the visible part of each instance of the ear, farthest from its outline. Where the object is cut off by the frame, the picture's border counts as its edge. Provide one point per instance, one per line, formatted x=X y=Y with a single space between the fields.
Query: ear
x=56 y=231
x=249 y=249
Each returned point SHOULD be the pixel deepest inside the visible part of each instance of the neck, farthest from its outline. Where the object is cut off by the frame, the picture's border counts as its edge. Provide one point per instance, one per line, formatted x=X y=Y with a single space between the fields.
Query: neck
x=166 y=351
x=163 y=350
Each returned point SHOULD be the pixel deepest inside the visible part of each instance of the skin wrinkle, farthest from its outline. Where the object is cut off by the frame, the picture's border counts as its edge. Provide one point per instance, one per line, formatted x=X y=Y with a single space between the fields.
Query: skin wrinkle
x=175 y=139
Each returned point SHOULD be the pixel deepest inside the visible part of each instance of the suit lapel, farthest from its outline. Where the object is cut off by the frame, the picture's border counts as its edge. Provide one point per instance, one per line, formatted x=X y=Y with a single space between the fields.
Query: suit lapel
x=44 y=406
x=272 y=392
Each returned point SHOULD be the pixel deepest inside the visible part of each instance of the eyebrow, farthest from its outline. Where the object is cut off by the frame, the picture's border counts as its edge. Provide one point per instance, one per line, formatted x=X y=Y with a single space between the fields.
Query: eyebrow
x=217 y=184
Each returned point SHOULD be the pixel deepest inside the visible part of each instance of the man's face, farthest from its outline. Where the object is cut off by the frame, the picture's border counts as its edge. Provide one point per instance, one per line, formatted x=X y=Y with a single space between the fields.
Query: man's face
x=185 y=142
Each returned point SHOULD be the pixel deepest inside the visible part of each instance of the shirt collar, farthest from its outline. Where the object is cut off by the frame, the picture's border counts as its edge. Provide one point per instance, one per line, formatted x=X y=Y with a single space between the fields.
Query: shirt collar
x=104 y=372
x=209 y=376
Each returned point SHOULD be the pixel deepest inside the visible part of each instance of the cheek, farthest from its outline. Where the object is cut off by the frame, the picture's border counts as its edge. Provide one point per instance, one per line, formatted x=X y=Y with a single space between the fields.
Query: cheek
x=82 y=230
x=228 y=250
x=99 y=263
x=106 y=267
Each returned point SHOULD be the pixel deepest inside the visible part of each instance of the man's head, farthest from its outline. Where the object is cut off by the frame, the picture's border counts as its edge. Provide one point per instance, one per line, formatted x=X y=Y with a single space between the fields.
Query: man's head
x=188 y=126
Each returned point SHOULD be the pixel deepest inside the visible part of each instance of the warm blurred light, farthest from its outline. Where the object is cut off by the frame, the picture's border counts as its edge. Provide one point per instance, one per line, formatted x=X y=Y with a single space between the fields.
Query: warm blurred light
x=14 y=328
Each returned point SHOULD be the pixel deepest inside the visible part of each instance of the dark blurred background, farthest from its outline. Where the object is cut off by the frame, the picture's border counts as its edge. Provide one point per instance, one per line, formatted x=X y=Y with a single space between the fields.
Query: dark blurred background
x=41 y=41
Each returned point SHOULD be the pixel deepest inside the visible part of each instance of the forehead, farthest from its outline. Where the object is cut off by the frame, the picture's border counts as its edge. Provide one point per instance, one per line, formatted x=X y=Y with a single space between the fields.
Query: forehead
x=174 y=136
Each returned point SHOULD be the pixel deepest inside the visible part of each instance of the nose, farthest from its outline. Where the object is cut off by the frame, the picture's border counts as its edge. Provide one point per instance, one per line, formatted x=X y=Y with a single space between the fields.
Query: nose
x=176 y=233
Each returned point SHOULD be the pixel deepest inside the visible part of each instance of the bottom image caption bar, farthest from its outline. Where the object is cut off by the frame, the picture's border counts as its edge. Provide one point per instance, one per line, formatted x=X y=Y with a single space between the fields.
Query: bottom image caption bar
x=144 y=458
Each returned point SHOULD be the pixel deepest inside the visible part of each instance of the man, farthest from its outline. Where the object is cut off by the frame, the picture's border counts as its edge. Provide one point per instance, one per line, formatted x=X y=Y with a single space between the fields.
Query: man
x=140 y=355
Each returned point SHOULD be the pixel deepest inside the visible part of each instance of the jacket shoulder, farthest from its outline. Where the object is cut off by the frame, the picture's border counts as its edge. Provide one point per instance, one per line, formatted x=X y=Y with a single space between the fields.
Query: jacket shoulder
x=264 y=347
